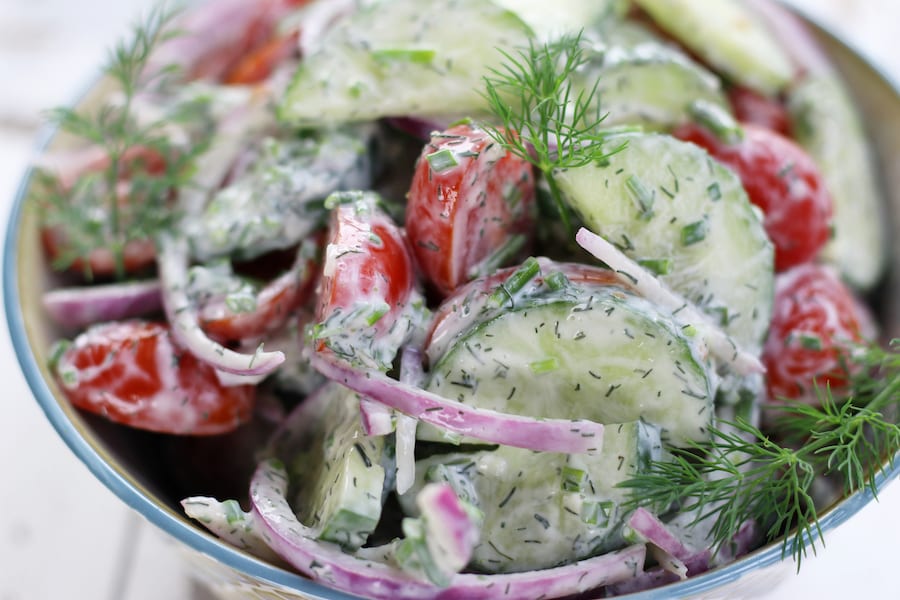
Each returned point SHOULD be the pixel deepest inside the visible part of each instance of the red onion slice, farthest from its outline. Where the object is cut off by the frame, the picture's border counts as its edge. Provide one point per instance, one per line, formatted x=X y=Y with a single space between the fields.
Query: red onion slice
x=548 y=435
x=182 y=314
x=79 y=307
x=328 y=564
x=720 y=344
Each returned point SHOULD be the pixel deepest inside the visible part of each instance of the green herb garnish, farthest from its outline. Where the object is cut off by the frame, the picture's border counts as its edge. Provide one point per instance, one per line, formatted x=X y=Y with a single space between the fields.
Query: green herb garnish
x=128 y=197
x=543 y=120
x=744 y=473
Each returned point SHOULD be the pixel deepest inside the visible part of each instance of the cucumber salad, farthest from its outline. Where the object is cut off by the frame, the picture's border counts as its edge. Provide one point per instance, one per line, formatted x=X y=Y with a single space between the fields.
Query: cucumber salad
x=497 y=298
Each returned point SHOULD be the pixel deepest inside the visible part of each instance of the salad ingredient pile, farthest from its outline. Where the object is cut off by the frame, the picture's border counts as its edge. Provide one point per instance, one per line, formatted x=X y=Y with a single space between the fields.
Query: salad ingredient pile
x=545 y=301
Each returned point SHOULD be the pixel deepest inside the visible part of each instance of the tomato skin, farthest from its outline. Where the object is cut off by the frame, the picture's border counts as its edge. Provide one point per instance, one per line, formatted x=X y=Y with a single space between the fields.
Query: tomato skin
x=275 y=303
x=367 y=262
x=134 y=373
x=459 y=216
x=815 y=322
x=783 y=181
x=258 y=64
x=752 y=107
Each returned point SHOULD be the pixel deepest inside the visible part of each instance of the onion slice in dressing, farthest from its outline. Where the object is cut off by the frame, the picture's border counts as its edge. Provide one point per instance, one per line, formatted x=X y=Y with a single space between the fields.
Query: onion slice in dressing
x=327 y=564
x=182 y=314
x=77 y=307
x=548 y=435
x=720 y=344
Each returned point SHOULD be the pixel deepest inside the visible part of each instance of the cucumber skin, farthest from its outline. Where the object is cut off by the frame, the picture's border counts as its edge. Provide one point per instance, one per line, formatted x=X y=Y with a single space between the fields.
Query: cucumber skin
x=728 y=273
x=826 y=124
x=729 y=36
x=649 y=84
x=571 y=360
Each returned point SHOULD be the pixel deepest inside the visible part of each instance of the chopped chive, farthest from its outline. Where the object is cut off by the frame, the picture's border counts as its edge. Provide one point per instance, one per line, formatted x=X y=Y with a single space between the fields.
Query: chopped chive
x=421 y=56
x=442 y=160
x=556 y=280
x=233 y=512
x=659 y=266
x=597 y=513
x=642 y=195
x=573 y=480
x=376 y=313
x=694 y=232
x=546 y=365
x=515 y=282
x=715 y=193
x=810 y=341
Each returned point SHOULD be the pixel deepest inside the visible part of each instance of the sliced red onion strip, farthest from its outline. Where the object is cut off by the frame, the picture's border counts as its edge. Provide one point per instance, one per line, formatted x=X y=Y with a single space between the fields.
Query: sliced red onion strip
x=657 y=576
x=649 y=527
x=410 y=373
x=182 y=314
x=328 y=564
x=78 y=307
x=548 y=435
x=720 y=344
x=375 y=417
x=452 y=534
x=795 y=38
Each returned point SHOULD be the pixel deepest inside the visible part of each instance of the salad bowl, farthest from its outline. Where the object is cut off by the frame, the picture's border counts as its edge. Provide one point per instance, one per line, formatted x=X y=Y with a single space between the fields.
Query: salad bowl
x=140 y=467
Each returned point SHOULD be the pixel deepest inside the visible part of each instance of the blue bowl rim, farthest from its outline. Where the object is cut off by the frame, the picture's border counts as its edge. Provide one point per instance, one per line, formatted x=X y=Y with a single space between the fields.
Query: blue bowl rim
x=182 y=530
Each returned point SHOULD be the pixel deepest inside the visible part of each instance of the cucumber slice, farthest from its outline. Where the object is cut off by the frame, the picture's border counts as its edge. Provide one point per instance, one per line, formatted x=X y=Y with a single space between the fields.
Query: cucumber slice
x=341 y=468
x=392 y=58
x=549 y=20
x=727 y=35
x=827 y=125
x=668 y=204
x=650 y=84
x=543 y=509
x=596 y=352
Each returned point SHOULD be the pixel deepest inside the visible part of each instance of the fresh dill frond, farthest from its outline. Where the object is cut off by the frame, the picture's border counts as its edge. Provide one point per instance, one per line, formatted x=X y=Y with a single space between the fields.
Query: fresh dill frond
x=743 y=473
x=126 y=195
x=542 y=118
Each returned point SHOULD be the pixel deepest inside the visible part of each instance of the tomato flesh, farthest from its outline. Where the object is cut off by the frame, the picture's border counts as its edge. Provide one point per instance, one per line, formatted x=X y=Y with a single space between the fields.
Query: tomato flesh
x=815 y=323
x=134 y=373
x=752 y=107
x=468 y=197
x=367 y=263
x=783 y=181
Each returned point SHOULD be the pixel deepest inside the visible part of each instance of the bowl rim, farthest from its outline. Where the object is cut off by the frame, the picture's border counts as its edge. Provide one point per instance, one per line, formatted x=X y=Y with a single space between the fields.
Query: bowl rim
x=181 y=529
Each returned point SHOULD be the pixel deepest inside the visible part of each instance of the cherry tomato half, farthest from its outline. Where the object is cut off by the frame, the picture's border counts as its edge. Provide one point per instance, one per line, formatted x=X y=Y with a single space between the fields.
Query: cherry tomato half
x=367 y=263
x=276 y=301
x=468 y=198
x=752 y=107
x=783 y=181
x=815 y=322
x=133 y=373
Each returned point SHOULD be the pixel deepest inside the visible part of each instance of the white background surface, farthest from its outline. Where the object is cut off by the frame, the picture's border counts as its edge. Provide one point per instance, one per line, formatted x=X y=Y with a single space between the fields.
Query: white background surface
x=63 y=535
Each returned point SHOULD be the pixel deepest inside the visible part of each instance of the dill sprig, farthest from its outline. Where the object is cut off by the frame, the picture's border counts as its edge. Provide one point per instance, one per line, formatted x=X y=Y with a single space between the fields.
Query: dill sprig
x=542 y=118
x=97 y=210
x=743 y=473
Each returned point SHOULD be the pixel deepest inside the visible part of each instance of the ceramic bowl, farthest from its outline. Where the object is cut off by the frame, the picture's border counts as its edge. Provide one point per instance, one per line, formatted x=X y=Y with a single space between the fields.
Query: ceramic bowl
x=135 y=466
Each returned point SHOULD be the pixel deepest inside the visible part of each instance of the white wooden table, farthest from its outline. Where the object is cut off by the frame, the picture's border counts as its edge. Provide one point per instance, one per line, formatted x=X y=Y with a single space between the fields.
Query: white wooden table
x=64 y=535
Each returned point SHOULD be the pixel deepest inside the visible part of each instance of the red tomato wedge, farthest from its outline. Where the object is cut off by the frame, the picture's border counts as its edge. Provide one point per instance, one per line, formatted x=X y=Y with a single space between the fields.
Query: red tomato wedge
x=468 y=198
x=783 y=181
x=275 y=303
x=367 y=264
x=752 y=107
x=257 y=65
x=815 y=322
x=133 y=373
